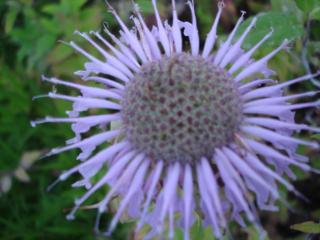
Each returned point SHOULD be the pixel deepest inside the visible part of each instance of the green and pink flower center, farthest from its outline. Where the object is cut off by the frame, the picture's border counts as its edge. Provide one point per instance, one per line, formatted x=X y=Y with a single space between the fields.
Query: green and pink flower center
x=181 y=108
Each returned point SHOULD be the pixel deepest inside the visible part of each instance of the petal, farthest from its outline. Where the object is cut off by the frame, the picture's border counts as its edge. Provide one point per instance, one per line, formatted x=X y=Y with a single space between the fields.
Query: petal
x=107 y=82
x=282 y=99
x=187 y=200
x=225 y=46
x=212 y=35
x=88 y=142
x=163 y=36
x=275 y=110
x=277 y=124
x=86 y=102
x=151 y=191
x=246 y=170
x=150 y=38
x=222 y=163
x=194 y=34
x=244 y=59
x=269 y=90
x=213 y=189
x=86 y=91
x=135 y=185
x=257 y=66
x=114 y=62
x=120 y=54
x=274 y=137
x=207 y=208
x=236 y=48
x=125 y=177
x=176 y=31
x=124 y=49
x=267 y=151
x=99 y=66
x=133 y=41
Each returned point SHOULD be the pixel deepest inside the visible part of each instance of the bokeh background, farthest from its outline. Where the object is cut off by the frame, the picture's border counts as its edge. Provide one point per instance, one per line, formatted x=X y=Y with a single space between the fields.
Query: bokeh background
x=30 y=31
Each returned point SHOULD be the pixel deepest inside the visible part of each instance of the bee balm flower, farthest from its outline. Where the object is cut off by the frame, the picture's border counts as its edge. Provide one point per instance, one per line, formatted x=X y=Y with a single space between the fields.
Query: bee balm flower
x=198 y=129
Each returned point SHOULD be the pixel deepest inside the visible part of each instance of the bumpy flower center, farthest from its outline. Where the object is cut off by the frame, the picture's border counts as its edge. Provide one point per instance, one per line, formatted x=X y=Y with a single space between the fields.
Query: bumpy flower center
x=180 y=108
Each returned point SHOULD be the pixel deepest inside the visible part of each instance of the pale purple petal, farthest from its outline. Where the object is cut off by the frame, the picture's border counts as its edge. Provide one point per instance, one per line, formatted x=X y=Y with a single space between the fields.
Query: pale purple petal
x=194 y=34
x=113 y=61
x=126 y=51
x=176 y=31
x=256 y=66
x=246 y=170
x=275 y=110
x=282 y=99
x=150 y=38
x=107 y=82
x=236 y=47
x=212 y=35
x=277 y=124
x=244 y=59
x=225 y=46
x=187 y=200
x=87 y=143
x=163 y=36
x=84 y=103
x=207 y=202
x=213 y=189
x=126 y=176
x=132 y=39
x=169 y=191
x=155 y=180
x=230 y=184
x=267 y=151
x=274 y=137
x=99 y=66
x=125 y=59
x=134 y=187
x=86 y=91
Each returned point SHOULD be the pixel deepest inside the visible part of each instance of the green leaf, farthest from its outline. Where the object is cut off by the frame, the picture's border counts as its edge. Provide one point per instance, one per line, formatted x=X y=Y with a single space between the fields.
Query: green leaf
x=254 y=234
x=72 y=6
x=307 y=5
x=51 y=9
x=307 y=227
x=284 y=27
x=44 y=44
x=10 y=19
x=145 y=6
x=315 y=14
x=205 y=17
x=285 y=6
x=316 y=136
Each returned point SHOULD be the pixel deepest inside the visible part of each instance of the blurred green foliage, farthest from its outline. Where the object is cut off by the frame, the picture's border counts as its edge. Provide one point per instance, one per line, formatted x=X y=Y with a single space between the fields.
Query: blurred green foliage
x=307 y=227
x=29 y=35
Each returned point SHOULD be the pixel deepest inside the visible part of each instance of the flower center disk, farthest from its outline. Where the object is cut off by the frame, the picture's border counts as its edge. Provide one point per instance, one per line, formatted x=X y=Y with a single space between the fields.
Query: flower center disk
x=181 y=108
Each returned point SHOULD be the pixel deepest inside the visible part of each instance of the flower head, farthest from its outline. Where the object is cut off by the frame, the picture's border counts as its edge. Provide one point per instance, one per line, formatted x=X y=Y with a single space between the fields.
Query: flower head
x=199 y=129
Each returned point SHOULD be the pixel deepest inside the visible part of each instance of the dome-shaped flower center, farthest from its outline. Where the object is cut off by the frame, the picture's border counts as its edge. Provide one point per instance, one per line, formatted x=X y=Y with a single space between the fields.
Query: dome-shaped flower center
x=180 y=108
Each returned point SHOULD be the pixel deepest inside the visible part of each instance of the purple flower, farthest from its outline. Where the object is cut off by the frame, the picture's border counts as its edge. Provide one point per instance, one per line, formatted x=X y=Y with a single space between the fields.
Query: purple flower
x=197 y=131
